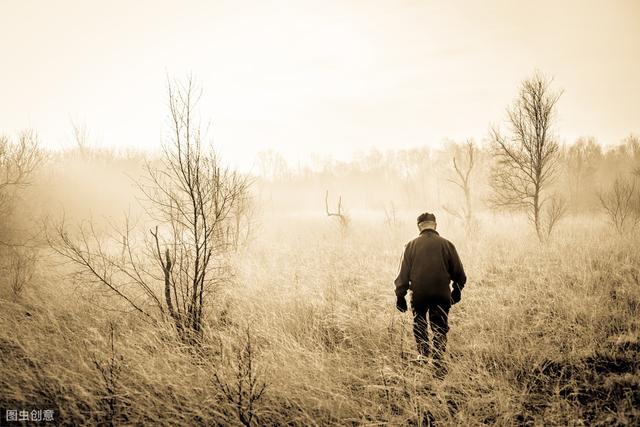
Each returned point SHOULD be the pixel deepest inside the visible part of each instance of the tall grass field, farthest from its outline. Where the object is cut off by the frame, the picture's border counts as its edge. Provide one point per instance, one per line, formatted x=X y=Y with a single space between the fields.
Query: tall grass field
x=307 y=333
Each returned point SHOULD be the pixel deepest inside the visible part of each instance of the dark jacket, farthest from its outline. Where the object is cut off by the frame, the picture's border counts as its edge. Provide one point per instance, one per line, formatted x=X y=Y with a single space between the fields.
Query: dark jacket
x=429 y=264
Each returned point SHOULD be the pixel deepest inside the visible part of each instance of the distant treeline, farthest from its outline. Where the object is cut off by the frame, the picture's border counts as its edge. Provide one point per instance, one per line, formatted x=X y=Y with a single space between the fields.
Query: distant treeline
x=424 y=178
x=84 y=181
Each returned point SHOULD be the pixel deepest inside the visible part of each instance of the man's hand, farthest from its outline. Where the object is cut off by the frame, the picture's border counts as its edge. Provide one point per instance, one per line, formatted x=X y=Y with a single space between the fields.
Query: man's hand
x=456 y=294
x=401 y=304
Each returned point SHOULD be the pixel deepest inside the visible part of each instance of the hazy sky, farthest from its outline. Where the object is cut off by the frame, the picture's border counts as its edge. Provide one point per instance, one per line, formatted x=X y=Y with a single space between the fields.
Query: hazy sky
x=325 y=77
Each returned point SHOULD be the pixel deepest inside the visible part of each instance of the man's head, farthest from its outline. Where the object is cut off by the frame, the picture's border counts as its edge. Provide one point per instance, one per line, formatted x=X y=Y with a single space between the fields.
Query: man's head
x=426 y=221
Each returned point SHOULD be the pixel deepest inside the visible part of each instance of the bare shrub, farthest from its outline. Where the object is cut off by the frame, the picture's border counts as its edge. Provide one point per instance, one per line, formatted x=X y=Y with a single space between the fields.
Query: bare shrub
x=110 y=369
x=20 y=270
x=244 y=389
x=621 y=203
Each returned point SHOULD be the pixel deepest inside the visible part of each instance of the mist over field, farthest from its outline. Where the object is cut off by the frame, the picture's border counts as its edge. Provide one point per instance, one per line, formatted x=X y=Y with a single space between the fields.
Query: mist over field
x=227 y=246
x=547 y=331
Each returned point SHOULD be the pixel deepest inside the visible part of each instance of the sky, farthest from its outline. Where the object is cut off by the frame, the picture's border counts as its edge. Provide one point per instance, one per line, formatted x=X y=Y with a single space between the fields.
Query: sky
x=324 y=78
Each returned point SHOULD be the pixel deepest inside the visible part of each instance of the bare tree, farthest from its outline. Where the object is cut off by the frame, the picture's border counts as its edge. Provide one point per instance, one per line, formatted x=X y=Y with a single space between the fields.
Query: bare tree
x=526 y=160
x=621 y=203
x=339 y=214
x=463 y=167
x=194 y=197
x=190 y=197
x=18 y=161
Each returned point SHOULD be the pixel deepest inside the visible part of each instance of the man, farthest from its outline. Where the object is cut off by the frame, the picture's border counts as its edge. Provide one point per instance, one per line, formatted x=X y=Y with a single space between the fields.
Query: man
x=429 y=264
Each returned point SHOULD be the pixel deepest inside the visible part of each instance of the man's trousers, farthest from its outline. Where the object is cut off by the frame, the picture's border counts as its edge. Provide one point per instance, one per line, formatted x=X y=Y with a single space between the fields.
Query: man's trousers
x=438 y=314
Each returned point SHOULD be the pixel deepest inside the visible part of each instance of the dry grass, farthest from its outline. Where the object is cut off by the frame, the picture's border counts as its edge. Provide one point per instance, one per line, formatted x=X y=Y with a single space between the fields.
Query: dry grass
x=544 y=335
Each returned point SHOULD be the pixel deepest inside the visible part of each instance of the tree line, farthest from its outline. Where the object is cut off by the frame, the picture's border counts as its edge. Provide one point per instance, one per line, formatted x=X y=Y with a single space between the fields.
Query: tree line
x=519 y=166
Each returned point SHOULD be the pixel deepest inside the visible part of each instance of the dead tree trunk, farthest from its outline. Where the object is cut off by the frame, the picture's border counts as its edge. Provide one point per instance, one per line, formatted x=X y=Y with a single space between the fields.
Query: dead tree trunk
x=339 y=214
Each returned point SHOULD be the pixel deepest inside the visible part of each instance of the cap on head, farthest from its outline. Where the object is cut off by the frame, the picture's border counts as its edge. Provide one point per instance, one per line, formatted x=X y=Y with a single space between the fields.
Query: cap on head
x=426 y=221
x=426 y=217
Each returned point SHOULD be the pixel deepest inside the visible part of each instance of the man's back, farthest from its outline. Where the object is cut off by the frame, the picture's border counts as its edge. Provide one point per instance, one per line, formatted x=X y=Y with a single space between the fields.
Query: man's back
x=429 y=263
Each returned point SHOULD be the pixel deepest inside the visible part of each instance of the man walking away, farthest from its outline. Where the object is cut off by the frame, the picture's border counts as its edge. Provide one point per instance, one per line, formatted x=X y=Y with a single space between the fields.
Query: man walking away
x=429 y=264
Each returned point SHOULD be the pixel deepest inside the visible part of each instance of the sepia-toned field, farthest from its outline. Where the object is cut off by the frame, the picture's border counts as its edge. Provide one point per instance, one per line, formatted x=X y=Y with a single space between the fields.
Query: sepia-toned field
x=307 y=334
x=205 y=205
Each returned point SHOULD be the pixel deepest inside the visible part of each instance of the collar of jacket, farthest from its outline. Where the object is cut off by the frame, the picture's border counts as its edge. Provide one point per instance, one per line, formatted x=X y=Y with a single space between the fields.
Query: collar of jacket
x=426 y=230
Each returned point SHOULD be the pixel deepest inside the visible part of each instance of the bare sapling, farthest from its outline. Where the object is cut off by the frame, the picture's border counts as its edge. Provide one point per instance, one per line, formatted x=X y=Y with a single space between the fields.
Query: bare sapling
x=177 y=268
x=463 y=167
x=527 y=158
